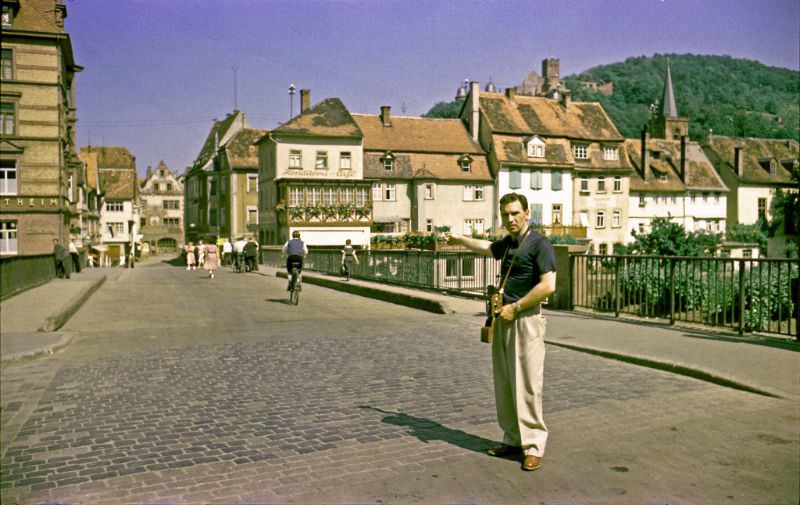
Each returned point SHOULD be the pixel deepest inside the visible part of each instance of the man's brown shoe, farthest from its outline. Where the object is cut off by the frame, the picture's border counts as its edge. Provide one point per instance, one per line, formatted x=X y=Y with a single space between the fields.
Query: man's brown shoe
x=531 y=463
x=504 y=450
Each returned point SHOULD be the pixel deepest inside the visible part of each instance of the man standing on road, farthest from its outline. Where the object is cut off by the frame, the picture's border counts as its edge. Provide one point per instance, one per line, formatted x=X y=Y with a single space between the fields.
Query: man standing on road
x=60 y=257
x=518 y=345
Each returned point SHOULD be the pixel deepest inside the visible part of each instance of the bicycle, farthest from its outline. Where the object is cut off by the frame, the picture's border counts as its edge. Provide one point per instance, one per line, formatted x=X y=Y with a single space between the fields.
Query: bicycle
x=294 y=286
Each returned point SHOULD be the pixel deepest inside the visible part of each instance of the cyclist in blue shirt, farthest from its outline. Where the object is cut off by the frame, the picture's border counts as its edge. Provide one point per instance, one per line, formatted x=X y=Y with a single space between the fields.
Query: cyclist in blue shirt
x=294 y=250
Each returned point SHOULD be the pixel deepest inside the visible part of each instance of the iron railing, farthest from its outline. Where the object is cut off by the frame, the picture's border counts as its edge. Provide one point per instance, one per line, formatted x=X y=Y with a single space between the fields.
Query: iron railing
x=747 y=295
x=18 y=273
x=456 y=271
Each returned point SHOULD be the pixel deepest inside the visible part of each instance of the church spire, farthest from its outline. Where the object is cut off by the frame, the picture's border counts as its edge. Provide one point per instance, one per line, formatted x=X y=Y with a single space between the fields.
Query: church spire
x=668 y=107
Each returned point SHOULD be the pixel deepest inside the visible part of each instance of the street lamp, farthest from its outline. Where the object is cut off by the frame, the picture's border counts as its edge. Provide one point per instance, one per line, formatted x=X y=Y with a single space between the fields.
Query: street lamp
x=292 y=91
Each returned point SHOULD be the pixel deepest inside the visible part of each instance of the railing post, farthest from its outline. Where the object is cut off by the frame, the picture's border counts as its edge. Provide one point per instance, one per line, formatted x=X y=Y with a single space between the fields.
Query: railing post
x=672 y=291
x=741 y=297
x=616 y=287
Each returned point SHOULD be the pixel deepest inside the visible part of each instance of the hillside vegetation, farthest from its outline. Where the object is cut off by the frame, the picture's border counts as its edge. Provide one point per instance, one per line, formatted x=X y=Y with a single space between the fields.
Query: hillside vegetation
x=730 y=96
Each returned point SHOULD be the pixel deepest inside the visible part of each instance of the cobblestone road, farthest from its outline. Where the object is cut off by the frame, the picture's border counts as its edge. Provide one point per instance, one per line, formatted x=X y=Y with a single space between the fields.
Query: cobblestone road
x=186 y=390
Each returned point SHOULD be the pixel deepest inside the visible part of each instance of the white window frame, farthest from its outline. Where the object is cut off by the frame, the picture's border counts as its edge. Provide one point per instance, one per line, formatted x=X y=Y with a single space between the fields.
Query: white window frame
x=296 y=159
x=9 y=242
x=580 y=151
x=389 y=192
x=466 y=164
x=8 y=118
x=345 y=161
x=584 y=185
x=600 y=219
x=617 y=184
x=171 y=204
x=474 y=225
x=295 y=196
x=601 y=184
x=535 y=148
x=616 y=218
x=252 y=183
x=116 y=206
x=329 y=195
x=473 y=193
x=611 y=153
x=429 y=225
x=430 y=191
x=321 y=160
x=252 y=210
x=6 y=186
x=7 y=70
x=377 y=192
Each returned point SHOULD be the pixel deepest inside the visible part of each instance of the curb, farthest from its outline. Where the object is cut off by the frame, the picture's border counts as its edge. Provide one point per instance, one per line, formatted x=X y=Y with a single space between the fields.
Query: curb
x=47 y=350
x=416 y=302
x=60 y=318
x=675 y=368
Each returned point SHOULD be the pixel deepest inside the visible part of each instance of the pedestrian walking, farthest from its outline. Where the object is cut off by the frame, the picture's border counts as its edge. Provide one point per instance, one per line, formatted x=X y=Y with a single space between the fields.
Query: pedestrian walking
x=251 y=254
x=201 y=254
x=190 y=256
x=76 y=261
x=227 y=250
x=529 y=269
x=238 y=253
x=348 y=258
x=211 y=262
x=60 y=257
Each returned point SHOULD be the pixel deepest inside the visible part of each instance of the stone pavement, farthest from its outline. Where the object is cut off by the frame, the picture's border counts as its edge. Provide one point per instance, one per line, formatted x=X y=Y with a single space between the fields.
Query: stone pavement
x=29 y=320
x=399 y=426
x=768 y=365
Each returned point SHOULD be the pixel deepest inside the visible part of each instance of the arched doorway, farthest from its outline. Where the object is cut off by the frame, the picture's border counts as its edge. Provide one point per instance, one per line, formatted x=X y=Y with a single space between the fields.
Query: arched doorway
x=166 y=244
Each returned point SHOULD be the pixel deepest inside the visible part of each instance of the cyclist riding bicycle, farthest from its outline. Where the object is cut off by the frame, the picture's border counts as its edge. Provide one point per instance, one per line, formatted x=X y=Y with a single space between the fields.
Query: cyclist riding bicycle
x=294 y=250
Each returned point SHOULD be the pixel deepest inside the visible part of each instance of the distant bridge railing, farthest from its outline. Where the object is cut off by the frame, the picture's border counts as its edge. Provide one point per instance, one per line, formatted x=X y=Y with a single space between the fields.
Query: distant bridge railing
x=18 y=273
x=455 y=271
x=746 y=295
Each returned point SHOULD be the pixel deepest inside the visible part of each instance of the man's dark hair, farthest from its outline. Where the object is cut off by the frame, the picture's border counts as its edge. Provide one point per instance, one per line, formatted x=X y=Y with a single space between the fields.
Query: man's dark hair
x=514 y=197
x=295 y=234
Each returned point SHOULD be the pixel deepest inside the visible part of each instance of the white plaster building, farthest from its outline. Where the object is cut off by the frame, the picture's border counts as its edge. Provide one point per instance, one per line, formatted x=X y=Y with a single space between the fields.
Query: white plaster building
x=311 y=178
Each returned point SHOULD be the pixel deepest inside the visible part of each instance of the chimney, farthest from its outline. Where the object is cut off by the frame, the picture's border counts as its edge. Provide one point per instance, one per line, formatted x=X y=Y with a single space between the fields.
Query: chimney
x=511 y=93
x=645 y=159
x=475 y=110
x=683 y=158
x=385 y=115
x=737 y=161
x=305 y=100
x=566 y=98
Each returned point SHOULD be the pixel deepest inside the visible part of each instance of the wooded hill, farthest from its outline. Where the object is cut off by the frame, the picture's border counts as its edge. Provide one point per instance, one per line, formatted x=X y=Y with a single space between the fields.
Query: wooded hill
x=731 y=96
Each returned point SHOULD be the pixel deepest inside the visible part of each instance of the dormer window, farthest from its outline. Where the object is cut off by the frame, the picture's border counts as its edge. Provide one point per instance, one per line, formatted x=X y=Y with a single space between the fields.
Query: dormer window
x=465 y=161
x=611 y=153
x=580 y=151
x=535 y=148
x=388 y=161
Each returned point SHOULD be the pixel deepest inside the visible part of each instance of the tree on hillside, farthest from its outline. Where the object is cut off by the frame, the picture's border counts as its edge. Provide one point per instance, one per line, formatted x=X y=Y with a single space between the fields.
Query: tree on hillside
x=445 y=109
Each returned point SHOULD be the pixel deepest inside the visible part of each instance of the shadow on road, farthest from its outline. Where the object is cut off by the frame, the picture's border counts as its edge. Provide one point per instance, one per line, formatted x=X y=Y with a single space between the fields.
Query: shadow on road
x=426 y=429
x=177 y=261
x=284 y=301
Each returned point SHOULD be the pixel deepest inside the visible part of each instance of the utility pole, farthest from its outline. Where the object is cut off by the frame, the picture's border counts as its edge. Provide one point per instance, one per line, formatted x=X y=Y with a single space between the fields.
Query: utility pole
x=292 y=91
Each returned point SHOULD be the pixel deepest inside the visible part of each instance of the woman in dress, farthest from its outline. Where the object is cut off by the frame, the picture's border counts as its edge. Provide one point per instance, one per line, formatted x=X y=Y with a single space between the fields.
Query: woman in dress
x=190 y=260
x=212 y=258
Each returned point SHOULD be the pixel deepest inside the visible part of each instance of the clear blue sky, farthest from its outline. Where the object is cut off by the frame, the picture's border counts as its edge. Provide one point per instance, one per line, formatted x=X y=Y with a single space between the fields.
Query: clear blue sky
x=157 y=72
